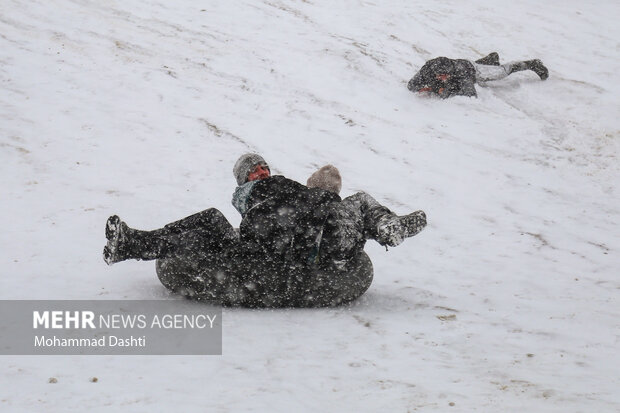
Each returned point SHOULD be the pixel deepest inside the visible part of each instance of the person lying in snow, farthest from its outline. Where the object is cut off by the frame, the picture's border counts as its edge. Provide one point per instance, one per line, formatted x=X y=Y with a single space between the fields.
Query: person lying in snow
x=453 y=77
x=289 y=233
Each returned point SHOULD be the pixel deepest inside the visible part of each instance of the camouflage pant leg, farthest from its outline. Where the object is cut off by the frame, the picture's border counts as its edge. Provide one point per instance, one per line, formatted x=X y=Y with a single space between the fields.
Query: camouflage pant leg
x=351 y=222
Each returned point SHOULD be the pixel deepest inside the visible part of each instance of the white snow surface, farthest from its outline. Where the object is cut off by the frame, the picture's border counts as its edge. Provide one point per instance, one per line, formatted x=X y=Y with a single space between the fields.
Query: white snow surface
x=507 y=302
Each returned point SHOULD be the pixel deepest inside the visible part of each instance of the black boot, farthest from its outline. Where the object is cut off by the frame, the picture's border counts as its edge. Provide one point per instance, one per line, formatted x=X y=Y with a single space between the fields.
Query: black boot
x=491 y=60
x=116 y=234
x=537 y=67
x=126 y=243
x=534 y=65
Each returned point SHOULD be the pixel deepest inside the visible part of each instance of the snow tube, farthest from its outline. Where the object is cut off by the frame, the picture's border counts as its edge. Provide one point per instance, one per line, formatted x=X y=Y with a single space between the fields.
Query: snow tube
x=257 y=286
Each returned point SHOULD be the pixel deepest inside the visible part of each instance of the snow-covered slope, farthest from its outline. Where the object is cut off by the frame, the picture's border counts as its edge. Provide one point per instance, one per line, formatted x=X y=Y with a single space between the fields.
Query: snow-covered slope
x=507 y=302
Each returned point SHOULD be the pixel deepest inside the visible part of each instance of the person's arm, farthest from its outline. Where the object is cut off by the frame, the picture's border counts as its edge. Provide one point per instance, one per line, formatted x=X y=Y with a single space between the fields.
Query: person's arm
x=252 y=193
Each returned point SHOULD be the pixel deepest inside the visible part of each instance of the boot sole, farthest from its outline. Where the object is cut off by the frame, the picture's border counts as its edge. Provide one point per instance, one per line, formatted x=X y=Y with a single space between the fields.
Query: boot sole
x=414 y=223
x=112 y=234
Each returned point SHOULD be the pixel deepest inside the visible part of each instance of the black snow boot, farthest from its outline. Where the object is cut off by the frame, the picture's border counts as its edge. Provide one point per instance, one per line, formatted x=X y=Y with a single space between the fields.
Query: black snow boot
x=537 y=67
x=392 y=230
x=534 y=65
x=116 y=234
x=127 y=243
x=491 y=60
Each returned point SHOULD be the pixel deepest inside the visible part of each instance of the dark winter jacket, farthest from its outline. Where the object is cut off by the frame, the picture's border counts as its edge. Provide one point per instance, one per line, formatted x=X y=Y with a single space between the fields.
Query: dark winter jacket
x=284 y=220
x=445 y=77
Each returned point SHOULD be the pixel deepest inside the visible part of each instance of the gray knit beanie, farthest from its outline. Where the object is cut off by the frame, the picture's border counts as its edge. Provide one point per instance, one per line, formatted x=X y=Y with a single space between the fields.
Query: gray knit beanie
x=327 y=178
x=244 y=164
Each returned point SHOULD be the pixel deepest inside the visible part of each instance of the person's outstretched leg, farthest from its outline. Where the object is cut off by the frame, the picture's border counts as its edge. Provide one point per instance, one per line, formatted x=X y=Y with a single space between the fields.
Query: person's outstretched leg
x=534 y=65
x=487 y=73
x=206 y=232
x=378 y=222
x=360 y=217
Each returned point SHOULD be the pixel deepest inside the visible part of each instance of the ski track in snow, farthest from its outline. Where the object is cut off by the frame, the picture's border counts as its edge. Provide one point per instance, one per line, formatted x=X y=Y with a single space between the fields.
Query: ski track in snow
x=507 y=302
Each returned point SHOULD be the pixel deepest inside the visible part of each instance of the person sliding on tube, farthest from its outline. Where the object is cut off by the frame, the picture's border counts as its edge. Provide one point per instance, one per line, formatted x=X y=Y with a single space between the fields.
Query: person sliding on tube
x=286 y=227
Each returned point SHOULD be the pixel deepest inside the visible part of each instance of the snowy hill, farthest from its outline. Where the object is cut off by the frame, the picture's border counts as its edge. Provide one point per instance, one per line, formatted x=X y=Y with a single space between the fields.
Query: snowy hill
x=507 y=302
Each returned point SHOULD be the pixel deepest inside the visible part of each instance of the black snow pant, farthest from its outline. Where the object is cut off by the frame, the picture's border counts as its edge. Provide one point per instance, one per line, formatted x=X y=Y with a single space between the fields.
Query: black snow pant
x=205 y=235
